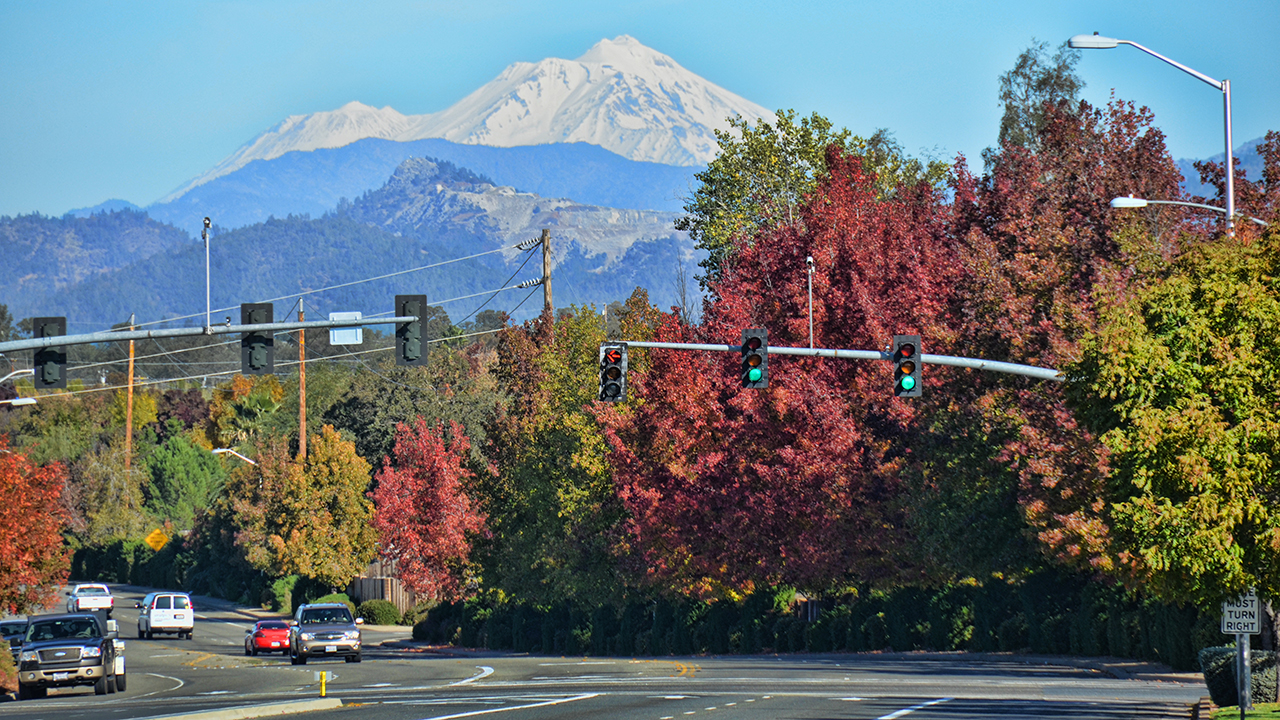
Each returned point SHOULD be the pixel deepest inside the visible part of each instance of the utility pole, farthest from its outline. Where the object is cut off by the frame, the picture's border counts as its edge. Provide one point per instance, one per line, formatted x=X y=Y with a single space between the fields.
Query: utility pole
x=302 y=386
x=205 y=234
x=546 y=271
x=128 y=408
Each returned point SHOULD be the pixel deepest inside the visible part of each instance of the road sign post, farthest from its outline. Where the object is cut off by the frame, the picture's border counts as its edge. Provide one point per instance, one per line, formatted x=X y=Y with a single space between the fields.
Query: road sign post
x=1241 y=617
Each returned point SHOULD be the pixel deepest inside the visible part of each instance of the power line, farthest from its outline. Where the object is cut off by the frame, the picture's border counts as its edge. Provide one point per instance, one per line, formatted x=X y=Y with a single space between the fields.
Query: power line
x=283 y=364
x=347 y=284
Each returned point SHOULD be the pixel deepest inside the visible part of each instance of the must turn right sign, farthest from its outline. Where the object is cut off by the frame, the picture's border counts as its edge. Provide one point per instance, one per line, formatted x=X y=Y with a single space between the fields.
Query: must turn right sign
x=1240 y=616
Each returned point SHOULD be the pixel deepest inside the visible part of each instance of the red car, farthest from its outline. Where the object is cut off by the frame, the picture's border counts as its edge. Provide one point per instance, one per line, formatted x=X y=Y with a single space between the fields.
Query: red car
x=267 y=636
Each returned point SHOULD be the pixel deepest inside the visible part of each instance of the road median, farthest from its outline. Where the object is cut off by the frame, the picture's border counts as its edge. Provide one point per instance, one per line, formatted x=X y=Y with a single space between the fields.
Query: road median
x=246 y=712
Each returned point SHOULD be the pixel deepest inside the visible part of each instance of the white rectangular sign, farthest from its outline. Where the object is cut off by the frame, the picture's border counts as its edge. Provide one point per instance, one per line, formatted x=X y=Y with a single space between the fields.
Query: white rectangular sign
x=345 y=336
x=1241 y=616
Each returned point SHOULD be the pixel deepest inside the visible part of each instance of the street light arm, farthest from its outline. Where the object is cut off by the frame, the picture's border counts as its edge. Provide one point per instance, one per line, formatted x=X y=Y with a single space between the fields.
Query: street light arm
x=1217 y=84
x=1133 y=202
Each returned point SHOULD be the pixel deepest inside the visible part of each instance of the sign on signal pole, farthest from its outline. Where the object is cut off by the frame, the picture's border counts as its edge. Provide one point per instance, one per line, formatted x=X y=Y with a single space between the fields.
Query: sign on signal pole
x=1241 y=616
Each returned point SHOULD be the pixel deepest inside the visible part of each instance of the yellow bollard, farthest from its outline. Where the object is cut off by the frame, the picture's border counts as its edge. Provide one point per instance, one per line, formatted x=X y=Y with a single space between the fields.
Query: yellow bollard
x=323 y=677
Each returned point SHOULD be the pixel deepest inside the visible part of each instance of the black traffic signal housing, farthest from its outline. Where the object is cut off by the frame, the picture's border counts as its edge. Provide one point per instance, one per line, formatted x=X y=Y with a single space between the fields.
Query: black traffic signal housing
x=613 y=372
x=411 y=349
x=258 y=348
x=906 y=366
x=50 y=362
x=755 y=358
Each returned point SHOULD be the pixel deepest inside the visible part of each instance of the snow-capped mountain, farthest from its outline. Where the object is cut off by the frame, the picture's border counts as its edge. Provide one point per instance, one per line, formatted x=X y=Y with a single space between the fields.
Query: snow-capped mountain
x=620 y=95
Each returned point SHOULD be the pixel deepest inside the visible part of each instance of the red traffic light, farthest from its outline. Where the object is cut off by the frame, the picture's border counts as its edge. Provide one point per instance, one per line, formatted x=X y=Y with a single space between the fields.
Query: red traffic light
x=752 y=343
x=906 y=350
x=613 y=355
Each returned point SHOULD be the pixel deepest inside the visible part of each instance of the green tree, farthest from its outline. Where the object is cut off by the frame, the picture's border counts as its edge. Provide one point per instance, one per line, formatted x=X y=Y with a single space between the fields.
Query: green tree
x=306 y=518
x=185 y=479
x=1179 y=382
x=1034 y=80
x=763 y=173
x=551 y=501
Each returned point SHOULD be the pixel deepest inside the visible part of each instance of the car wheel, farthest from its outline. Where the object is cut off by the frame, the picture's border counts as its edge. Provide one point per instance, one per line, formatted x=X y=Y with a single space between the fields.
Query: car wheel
x=111 y=685
x=150 y=634
x=100 y=687
x=354 y=658
x=25 y=693
x=120 y=683
x=246 y=650
x=188 y=634
x=140 y=633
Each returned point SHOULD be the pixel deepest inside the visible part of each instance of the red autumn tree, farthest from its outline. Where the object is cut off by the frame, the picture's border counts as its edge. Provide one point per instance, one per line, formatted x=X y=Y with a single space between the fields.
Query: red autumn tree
x=424 y=515
x=799 y=483
x=1040 y=243
x=33 y=559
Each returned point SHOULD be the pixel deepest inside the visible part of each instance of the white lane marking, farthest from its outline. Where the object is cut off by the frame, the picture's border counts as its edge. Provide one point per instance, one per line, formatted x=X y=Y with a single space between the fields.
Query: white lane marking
x=907 y=711
x=576 y=663
x=166 y=677
x=485 y=671
x=379 y=685
x=850 y=699
x=217 y=692
x=169 y=655
x=548 y=703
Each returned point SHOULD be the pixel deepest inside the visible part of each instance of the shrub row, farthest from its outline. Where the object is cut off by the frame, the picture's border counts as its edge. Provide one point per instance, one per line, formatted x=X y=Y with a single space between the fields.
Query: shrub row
x=1047 y=614
x=1219 y=667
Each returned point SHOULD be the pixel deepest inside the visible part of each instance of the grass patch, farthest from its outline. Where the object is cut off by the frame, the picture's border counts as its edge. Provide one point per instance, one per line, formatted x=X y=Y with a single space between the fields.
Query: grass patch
x=1261 y=711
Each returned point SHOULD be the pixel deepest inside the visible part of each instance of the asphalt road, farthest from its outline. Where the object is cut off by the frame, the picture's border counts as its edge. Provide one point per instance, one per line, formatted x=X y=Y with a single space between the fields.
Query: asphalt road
x=398 y=682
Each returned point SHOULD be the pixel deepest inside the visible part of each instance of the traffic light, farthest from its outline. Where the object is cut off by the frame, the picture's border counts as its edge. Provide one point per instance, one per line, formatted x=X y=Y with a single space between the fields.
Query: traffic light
x=257 y=349
x=906 y=366
x=755 y=358
x=50 y=362
x=410 y=348
x=613 y=372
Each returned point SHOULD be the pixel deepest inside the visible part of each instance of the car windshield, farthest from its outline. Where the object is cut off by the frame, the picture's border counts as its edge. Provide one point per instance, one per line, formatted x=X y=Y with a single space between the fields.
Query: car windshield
x=92 y=590
x=65 y=629
x=319 y=616
x=272 y=626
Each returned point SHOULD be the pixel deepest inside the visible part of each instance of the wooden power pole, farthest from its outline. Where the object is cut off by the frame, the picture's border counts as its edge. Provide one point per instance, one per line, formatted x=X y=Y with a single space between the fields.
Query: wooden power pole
x=302 y=386
x=128 y=407
x=546 y=271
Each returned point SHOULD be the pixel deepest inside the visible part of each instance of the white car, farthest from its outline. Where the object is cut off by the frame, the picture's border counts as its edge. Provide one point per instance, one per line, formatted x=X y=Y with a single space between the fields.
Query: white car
x=89 y=597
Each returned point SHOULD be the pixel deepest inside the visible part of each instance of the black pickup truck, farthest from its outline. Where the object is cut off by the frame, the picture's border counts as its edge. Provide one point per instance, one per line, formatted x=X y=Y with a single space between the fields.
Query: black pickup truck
x=67 y=650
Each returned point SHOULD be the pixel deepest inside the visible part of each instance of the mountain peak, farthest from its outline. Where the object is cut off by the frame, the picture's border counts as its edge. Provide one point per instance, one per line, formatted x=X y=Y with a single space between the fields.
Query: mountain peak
x=620 y=95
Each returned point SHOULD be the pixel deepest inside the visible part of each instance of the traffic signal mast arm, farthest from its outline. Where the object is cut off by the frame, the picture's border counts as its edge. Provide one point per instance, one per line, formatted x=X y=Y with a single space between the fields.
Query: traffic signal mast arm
x=111 y=336
x=975 y=363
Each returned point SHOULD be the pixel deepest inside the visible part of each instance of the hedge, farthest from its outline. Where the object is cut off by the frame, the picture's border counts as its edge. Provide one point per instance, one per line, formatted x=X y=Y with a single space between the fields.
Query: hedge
x=1051 y=614
x=1219 y=667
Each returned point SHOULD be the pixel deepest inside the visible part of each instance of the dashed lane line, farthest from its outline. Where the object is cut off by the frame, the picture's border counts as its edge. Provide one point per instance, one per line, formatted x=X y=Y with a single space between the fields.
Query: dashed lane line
x=907 y=711
x=548 y=703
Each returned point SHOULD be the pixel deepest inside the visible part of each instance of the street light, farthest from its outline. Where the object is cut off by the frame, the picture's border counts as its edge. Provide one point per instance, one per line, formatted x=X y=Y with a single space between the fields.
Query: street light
x=219 y=451
x=17 y=373
x=19 y=401
x=1133 y=202
x=1099 y=42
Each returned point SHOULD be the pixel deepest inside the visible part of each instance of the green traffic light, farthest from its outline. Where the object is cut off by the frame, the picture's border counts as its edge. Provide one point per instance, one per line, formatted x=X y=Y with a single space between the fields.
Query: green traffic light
x=908 y=382
x=754 y=374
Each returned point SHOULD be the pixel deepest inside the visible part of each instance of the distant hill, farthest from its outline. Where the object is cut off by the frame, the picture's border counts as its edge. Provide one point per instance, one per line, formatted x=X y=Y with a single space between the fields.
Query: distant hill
x=428 y=212
x=44 y=254
x=106 y=206
x=1247 y=159
x=314 y=182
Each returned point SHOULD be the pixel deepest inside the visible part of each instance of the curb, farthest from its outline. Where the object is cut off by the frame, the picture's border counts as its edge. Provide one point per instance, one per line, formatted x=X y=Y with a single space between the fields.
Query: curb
x=255 y=711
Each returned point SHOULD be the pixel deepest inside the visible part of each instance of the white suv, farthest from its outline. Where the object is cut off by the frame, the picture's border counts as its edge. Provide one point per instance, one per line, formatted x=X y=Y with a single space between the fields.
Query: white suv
x=165 y=612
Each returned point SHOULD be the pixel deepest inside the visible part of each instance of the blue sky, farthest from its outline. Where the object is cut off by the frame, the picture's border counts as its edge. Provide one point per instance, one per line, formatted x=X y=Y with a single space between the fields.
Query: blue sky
x=130 y=99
